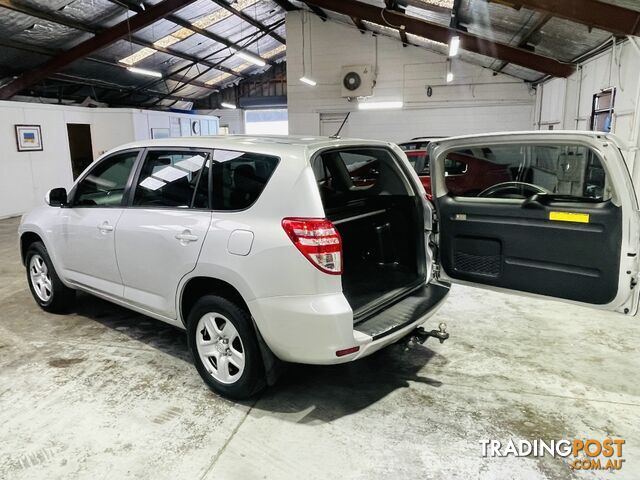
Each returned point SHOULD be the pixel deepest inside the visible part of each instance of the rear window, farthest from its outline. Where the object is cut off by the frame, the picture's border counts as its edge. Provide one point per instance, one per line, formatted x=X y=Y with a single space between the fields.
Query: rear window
x=238 y=178
x=358 y=173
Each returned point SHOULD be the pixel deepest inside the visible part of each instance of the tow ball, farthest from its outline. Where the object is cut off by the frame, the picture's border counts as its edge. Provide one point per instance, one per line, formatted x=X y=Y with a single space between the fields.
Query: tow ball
x=420 y=335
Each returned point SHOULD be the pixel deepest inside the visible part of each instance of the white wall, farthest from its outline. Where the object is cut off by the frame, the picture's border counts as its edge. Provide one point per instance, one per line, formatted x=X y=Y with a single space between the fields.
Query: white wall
x=232 y=118
x=477 y=101
x=25 y=177
x=566 y=103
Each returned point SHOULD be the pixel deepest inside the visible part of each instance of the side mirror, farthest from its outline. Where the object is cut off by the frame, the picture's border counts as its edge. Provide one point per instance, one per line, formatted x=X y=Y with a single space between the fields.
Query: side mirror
x=56 y=197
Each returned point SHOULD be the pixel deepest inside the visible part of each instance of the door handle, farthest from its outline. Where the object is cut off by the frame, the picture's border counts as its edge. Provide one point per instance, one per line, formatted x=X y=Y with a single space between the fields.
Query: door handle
x=186 y=237
x=104 y=227
x=541 y=200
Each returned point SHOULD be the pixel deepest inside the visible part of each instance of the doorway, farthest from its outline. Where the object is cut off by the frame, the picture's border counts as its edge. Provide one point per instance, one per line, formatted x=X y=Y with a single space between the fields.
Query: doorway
x=80 y=147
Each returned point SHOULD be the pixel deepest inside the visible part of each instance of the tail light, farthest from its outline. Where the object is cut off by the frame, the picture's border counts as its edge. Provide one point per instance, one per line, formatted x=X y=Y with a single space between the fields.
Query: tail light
x=318 y=240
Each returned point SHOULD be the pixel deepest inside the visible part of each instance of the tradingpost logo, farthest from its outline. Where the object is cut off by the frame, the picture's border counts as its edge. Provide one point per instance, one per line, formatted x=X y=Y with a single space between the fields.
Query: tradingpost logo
x=584 y=454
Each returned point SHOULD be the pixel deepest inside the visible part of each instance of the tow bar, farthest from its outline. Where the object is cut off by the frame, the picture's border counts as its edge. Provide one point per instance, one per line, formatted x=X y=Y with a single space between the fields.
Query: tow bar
x=420 y=335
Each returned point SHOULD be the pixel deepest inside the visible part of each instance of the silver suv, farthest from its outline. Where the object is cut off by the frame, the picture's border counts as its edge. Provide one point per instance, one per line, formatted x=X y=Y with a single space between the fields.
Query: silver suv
x=321 y=250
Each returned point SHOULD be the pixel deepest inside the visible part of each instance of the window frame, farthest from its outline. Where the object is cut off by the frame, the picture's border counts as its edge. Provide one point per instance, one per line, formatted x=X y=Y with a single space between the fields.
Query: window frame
x=131 y=187
x=130 y=193
x=127 y=187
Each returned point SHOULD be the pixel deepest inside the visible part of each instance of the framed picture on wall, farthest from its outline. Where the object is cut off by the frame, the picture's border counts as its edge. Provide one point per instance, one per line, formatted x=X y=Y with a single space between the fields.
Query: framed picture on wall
x=28 y=138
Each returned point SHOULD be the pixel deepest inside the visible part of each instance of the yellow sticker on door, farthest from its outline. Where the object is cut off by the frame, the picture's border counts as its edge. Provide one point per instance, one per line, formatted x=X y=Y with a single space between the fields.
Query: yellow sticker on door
x=569 y=217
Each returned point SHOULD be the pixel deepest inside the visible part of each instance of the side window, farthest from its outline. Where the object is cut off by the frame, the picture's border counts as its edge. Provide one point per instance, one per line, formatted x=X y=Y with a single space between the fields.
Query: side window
x=521 y=171
x=239 y=178
x=173 y=178
x=105 y=184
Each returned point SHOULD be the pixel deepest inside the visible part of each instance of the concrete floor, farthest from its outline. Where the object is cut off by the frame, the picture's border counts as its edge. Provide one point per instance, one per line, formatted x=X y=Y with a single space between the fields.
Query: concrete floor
x=107 y=393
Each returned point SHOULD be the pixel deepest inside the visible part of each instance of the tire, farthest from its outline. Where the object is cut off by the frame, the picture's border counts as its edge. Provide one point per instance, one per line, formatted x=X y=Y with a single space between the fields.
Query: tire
x=46 y=287
x=234 y=368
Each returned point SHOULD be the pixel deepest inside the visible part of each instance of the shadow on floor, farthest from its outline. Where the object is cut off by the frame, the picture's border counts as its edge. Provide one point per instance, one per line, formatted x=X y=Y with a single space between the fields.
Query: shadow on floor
x=326 y=393
x=138 y=327
x=303 y=393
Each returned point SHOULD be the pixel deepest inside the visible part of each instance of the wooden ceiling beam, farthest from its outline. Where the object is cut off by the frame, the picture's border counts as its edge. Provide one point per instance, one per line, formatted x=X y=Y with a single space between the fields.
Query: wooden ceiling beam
x=605 y=16
x=442 y=34
x=95 y=31
x=524 y=41
x=84 y=49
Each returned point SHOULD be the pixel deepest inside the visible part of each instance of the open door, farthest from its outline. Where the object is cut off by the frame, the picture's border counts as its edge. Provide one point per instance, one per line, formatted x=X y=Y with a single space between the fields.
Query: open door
x=542 y=213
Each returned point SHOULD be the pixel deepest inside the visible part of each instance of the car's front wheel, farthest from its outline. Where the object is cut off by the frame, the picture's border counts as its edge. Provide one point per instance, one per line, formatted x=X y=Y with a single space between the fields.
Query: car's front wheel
x=225 y=348
x=45 y=285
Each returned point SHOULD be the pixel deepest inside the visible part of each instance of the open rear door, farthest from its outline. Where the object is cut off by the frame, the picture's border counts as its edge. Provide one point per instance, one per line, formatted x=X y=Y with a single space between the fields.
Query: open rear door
x=542 y=213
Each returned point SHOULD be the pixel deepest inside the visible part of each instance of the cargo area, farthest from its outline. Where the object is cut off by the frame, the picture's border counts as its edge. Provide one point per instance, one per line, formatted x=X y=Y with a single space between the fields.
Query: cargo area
x=368 y=199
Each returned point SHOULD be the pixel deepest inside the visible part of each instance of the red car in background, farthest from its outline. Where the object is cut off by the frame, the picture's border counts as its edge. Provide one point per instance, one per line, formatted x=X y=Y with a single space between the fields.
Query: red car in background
x=468 y=172
x=416 y=149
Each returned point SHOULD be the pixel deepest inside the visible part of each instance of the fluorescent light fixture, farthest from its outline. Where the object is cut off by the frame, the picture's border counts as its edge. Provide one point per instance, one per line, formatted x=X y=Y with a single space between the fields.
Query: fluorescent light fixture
x=144 y=71
x=449 y=77
x=308 y=81
x=228 y=105
x=251 y=58
x=379 y=105
x=454 y=45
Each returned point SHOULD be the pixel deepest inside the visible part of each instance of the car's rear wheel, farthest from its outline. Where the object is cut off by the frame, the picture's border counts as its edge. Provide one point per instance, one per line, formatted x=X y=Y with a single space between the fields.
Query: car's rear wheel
x=46 y=287
x=224 y=347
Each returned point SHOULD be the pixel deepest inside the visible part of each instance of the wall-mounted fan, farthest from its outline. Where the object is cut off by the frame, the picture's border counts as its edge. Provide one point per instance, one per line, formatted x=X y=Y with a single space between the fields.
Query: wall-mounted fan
x=357 y=81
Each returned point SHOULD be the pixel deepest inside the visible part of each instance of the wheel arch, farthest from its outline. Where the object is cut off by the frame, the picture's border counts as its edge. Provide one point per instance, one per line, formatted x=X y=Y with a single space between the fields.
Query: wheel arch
x=26 y=240
x=198 y=286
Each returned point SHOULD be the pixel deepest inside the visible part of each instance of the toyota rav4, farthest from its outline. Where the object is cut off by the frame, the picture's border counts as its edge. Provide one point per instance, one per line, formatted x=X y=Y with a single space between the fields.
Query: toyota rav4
x=324 y=250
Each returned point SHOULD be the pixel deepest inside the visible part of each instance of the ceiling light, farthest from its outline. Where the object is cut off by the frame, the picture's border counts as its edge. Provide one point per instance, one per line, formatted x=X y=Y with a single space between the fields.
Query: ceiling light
x=449 y=75
x=144 y=71
x=308 y=81
x=454 y=45
x=379 y=105
x=251 y=58
x=228 y=105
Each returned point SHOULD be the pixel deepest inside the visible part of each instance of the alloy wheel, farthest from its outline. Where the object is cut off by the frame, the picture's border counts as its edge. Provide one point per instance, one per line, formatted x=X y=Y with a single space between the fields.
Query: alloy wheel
x=220 y=348
x=40 y=278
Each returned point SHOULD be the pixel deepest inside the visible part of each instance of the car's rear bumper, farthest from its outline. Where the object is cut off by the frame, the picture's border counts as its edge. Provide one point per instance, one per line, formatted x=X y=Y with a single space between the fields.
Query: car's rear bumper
x=311 y=329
